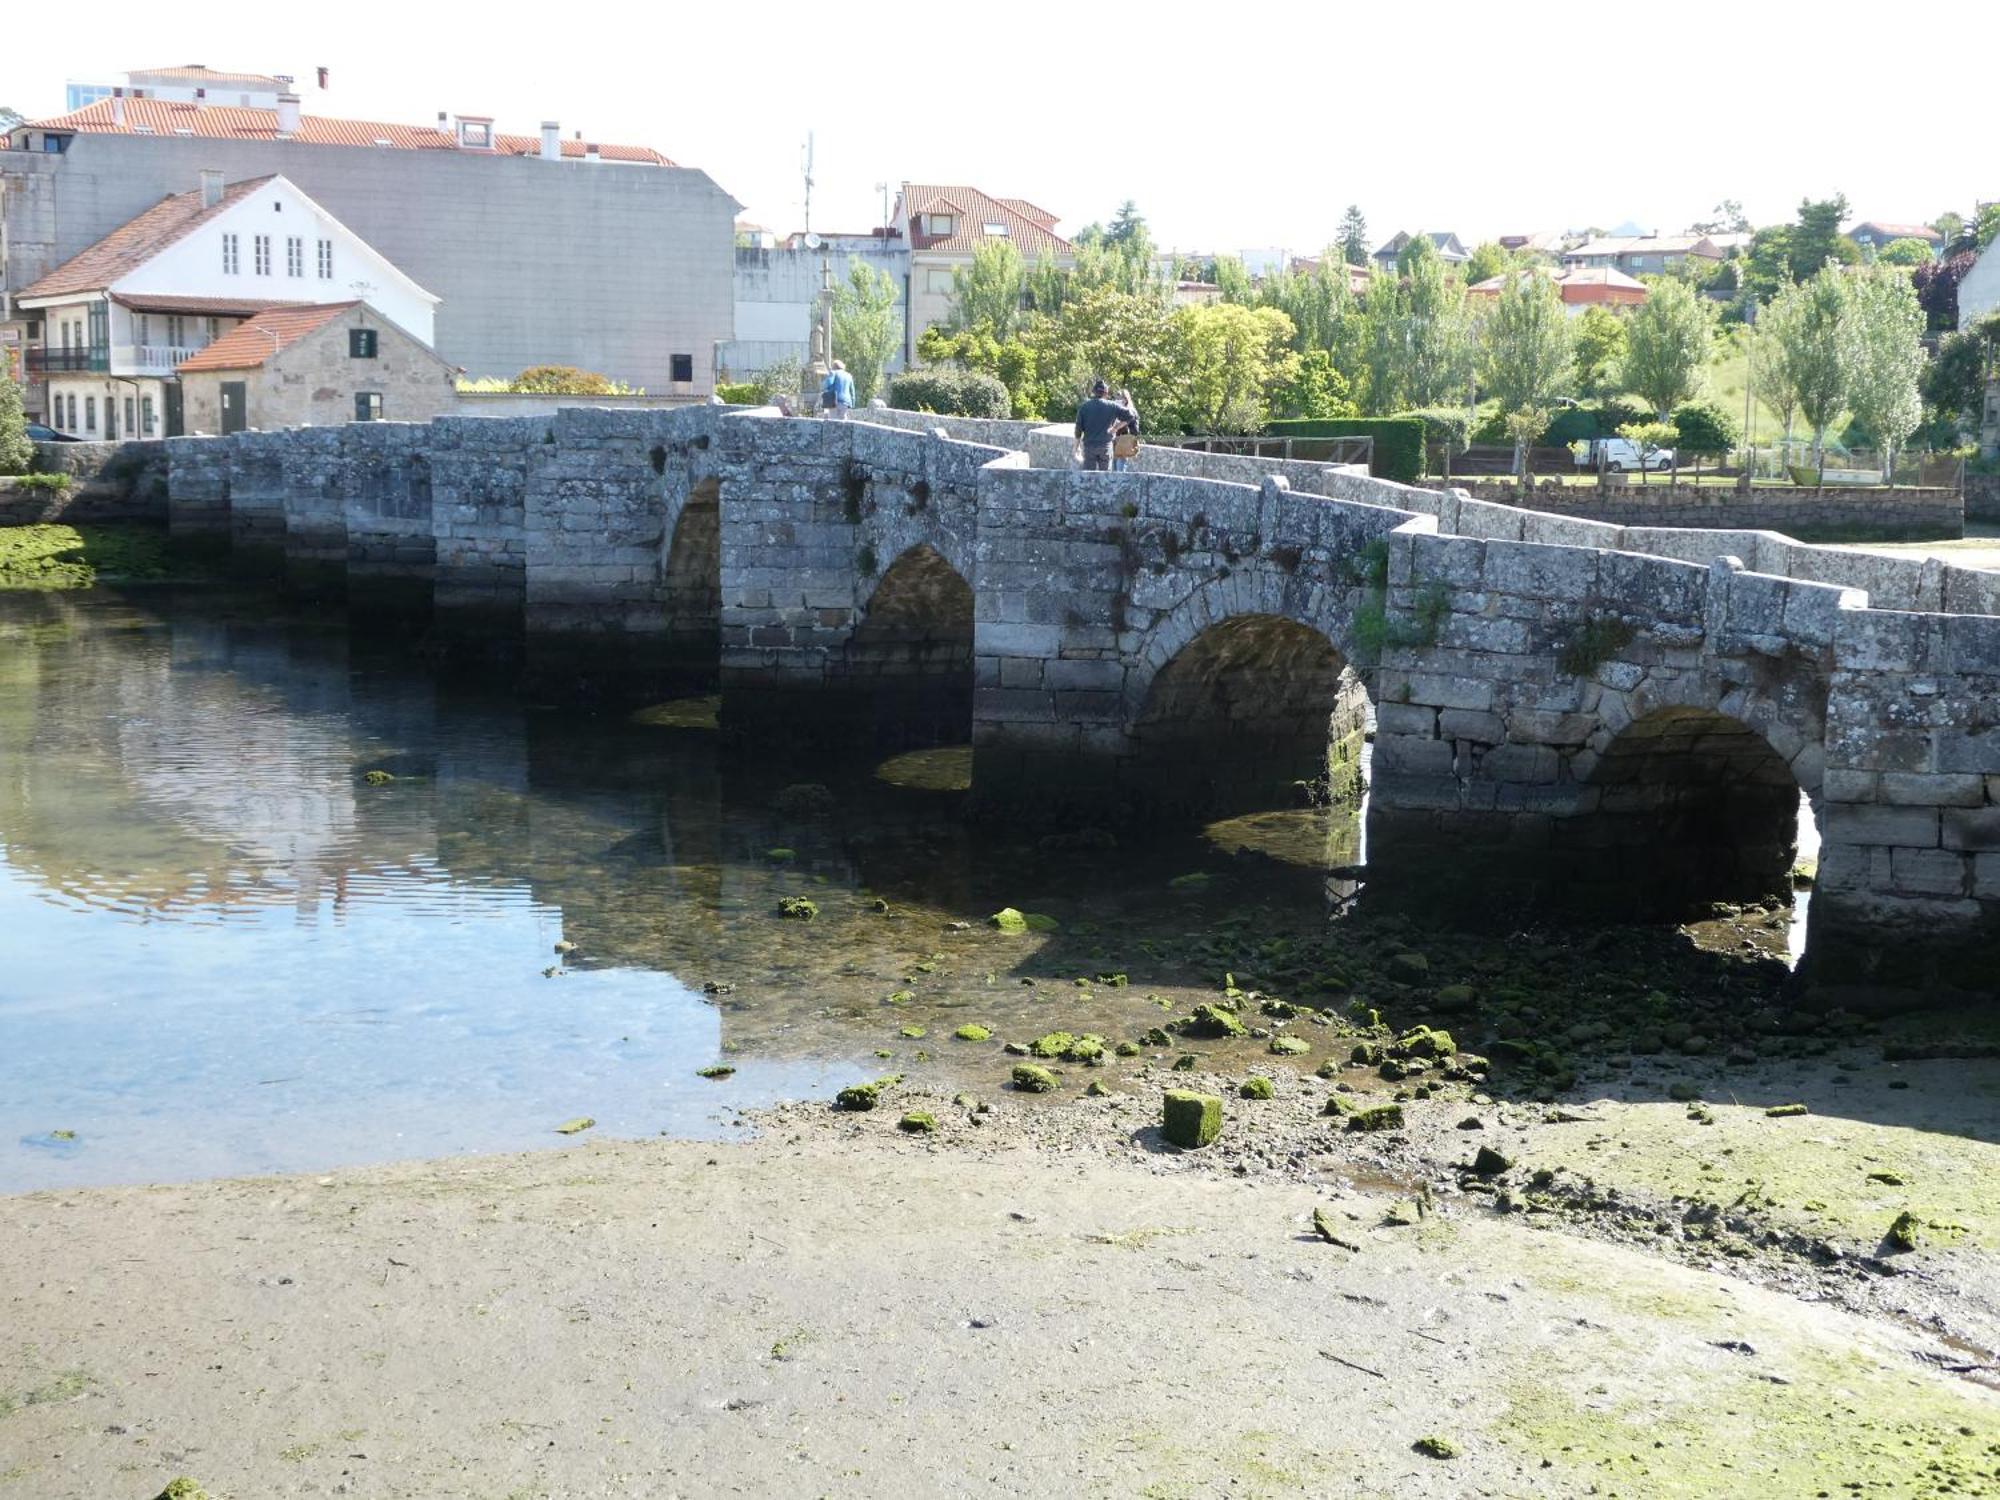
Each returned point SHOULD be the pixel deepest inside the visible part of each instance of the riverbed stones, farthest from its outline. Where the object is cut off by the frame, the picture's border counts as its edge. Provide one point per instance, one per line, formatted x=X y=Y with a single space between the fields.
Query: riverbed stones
x=1190 y=1120
x=1377 y=1117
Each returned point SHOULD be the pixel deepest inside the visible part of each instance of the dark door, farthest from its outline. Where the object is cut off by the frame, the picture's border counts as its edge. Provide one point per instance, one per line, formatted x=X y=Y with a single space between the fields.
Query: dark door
x=173 y=390
x=232 y=406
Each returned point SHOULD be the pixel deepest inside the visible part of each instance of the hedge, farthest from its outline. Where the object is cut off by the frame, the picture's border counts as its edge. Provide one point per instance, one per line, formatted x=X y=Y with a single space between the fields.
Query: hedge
x=740 y=393
x=1399 y=441
x=950 y=393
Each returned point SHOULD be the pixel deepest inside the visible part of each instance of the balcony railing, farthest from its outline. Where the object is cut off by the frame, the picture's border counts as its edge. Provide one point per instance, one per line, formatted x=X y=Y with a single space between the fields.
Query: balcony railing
x=152 y=359
x=46 y=362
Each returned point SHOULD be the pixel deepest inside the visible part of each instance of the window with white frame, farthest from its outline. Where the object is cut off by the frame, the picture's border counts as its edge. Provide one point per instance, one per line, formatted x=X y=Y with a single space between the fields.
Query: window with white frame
x=232 y=257
x=90 y=414
x=295 y=256
x=326 y=260
x=131 y=415
x=146 y=413
x=145 y=325
x=176 y=332
x=261 y=254
x=941 y=224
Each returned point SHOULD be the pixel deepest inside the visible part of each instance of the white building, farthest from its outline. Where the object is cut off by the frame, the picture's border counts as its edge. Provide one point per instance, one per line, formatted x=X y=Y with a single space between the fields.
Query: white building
x=109 y=326
x=1979 y=289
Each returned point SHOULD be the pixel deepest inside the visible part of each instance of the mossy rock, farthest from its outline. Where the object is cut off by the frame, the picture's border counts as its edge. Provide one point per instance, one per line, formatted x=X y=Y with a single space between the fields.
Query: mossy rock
x=1190 y=1120
x=1290 y=1046
x=1433 y=1446
x=1903 y=1233
x=781 y=856
x=1785 y=1111
x=1256 y=1088
x=1054 y=1044
x=913 y=1033
x=1327 y=1069
x=1030 y=1078
x=1213 y=1021
x=715 y=1070
x=858 y=1097
x=1128 y=1049
x=1456 y=997
x=1009 y=920
x=575 y=1127
x=1191 y=883
x=1185 y=1063
x=377 y=778
x=972 y=1031
x=1095 y=1089
x=1366 y=1053
x=1422 y=1041
x=800 y=908
x=1337 y=1105
x=1490 y=1163
x=918 y=1122
x=1410 y=968
x=1088 y=1050
x=183 y=1488
x=1377 y=1117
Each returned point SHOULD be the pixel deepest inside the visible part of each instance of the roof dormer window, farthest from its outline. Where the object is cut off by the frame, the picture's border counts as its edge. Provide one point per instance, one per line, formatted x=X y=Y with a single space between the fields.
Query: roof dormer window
x=1000 y=229
x=940 y=224
x=475 y=134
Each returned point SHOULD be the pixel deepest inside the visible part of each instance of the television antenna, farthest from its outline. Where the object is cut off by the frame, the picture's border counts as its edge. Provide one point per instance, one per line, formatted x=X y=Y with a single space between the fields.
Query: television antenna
x=808 y=167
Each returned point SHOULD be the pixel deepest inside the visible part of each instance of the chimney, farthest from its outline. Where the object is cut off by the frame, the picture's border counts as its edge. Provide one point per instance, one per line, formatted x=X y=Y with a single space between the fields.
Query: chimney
x=322 y=77
x=590 y=152
x=118 y=107
x=211 y=187
x=288 y=116
x=551 y=140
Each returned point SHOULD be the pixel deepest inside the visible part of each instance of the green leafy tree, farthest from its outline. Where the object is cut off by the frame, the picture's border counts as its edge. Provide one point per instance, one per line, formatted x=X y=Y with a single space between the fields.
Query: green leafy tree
x=1884 y=384
x=1528 y=353
x=1954 y=388
x=1909 y=251
x=1233 y=280
x=1318 y=389
x=867 y=326
x=1703 y=429
x=1235 y=361
x=1126 y=338
x=17 y=454
x=1488 y=260
x=1817 y=351
x=1767 y=267
x=1769 y=373
x=1951 y=227
x=991 y=290
x=1649 y=438
x=1600 y=350
x=1666 y=345
x=1987 y=228
x=1353 y=237
x=1816 y=238
x=1416 y=250
x=1441 y=353
x=1726 y=217
x=1523 y=428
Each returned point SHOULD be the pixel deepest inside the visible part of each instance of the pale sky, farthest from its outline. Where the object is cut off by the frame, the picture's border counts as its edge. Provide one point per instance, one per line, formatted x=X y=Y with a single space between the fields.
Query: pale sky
x=1231 y=128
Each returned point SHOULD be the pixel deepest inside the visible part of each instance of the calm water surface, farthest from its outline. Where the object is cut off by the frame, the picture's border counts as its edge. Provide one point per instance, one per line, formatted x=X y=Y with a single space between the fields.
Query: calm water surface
x=222 y=950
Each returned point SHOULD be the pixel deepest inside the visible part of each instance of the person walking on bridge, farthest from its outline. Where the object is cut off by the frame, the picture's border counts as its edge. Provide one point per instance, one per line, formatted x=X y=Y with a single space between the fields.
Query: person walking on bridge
x=1098 y=421
x=836 y=393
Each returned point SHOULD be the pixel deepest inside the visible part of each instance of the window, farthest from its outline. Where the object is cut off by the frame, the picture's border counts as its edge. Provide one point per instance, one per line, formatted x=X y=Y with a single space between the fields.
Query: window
x=89 y=413
x=131 y=416
x=295 y=256
x=146 y=413
x=145 y=325
x=214 y=329
x=326 y=260
x=71 y=424
x=261 y=250
x=232 y=262
x=940 y=224
x=360 y=343
x=683 y=367
x=367 y=404
x=996 y=229
x=176 y=331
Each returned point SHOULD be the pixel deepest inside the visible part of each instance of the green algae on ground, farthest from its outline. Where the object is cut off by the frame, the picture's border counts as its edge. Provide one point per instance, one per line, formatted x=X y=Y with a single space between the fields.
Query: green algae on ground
x=858 y=1097
x=51 y=557
x=1433 y=1446
x=1377 y=1117
x=66 y=1386
x=918 y=1122
x=972 y=1031
x=1212 y=1020
x=183 y=1488
x=1255 y=1088
x=801 y=908
x=1290 y=1046
x=1015 y=922
x=1190 y=1120
x=717 y=1070
x=1031 y=1079
x=1054 y=1044
x=913 y=1033
x=575 y=1127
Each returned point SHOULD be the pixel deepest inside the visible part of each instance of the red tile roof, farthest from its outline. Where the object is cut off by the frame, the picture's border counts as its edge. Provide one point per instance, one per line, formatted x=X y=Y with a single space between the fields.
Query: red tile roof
x=137 y=241
x=1900 y=231
x=972 y=211
x=228 y=122
x=215 y=307
x=250 y=344
x=196 y=73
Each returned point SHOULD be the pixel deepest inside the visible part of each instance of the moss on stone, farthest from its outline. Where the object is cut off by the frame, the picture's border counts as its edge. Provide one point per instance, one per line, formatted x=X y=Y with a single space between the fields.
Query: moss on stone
x=1784 y=1111
x=575 y=1127
x=1009 y=920
x=183 y=1488
x=717 y=1070
x=1052 y=1044
x=1088 y=1050
x=1190 y=1120
x=918 y=1122
x=1030 y=1078
x=1377 y=1117
x=1290 y=1046
x=1213 y=1020
x=913 y=1033
x=1433 y=1446
x=1128 y=1049
x=972 y=1031
x=377 y=778
x=858 y=1097
x=1490 y=1163
x=1095 y=1089
x=781 y=856
x=802 y=908
x=1256 y=1088
x=1422 y=1041
x=1905 y=1233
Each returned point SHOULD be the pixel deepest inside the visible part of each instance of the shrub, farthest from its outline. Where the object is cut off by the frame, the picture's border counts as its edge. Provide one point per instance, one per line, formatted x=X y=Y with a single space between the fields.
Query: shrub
x=561 y=380
x=1443 y=424
x=1580 y=424
x=1703 y=427
x=17 y=454
x=740 y=393
x=1399 y=441
x=950 y=393
x=55 y=484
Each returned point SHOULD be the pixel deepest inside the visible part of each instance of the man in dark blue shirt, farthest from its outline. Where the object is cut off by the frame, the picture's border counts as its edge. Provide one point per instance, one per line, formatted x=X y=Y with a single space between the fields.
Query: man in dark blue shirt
x=1098 y=421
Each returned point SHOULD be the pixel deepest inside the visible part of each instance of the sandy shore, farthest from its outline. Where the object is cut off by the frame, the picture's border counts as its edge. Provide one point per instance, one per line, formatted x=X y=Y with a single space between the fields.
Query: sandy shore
x=836 y=1308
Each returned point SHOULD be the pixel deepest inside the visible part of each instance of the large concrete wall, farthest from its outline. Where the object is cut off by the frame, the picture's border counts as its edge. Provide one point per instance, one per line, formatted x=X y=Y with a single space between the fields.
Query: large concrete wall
x=613 y=268
x=1564 y=707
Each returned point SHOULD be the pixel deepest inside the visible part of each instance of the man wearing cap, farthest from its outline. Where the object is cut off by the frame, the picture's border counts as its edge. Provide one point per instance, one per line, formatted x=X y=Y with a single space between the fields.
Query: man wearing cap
x=1097 y=423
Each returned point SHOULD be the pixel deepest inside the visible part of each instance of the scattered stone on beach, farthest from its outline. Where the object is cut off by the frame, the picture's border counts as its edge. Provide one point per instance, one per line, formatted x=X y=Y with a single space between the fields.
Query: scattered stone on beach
x=1433 y=1446
x=918 y=1122
x=1490 y=1163
x=1377 y=1117
x=1290 y=1046
x=1255 y=1088
x=1030 y=1078
x=972 y=1031
x=1784 y=1111
x=1190 y=1120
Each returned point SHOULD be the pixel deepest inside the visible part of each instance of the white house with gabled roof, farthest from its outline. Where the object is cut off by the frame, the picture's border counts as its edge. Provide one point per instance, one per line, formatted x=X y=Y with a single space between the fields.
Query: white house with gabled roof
x=110 y=326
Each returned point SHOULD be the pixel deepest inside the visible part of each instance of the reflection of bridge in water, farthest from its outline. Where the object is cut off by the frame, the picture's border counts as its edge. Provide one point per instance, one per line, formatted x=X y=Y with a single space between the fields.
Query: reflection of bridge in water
x=1562 y=706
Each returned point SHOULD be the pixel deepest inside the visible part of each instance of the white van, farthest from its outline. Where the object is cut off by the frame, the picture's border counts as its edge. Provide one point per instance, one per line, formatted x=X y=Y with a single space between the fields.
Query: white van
x=1620 y=454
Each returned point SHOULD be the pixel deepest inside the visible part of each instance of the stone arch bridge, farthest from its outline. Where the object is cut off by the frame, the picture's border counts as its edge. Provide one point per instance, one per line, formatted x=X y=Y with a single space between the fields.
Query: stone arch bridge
x=1555 y=702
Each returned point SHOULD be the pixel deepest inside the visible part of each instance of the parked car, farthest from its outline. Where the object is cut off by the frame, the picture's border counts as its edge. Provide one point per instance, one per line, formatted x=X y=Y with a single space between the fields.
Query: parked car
x=1618 y=454
x=37 y=433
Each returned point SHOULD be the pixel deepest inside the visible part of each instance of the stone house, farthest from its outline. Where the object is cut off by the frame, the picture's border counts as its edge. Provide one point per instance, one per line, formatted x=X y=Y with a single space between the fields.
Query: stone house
x=314 y=367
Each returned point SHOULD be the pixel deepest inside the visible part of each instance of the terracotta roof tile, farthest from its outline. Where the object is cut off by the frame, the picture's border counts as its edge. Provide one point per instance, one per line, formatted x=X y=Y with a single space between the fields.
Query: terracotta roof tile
x=218 y=307
x=137 y=241
x=196 y=73
x=228 y=122
x=973 y=211
x=248 y=345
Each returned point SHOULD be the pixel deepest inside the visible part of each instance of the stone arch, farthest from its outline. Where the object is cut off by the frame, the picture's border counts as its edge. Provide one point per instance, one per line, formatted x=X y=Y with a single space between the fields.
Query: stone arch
x=910 y=652
x=691 y=574
x=1692 y=805
x=1256 y=710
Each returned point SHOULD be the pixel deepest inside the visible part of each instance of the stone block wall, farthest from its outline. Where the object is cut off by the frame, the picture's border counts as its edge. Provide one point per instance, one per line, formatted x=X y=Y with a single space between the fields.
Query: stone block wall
x=257 y=483
x=108 y=482
x=1855 y=512
x=384 y=478
x=479 y=488
x=197 y=488
x=315 y=507
x=1982 y=498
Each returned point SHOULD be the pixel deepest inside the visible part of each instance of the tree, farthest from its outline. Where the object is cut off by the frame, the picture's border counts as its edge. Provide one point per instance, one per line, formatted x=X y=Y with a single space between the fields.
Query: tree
x=1649 y=438
x=1950 y=226
x=1234 y=360
x=1354 y=236
x=1954 y=387
x=1987 y=229
x=867 y=326
x=1523 y=428
x=1937 y=288
x=1416 y=250
x=1908 y=251
x=1767 y=268
x=1703 y=429
x=17 y=454
x=1886 y=335
x=1817 y=353
x=1317 y=389
x=1440 y=353
x=1726 y=217
x=10 y=118
x=1233 y=279
x=1125 y=338
x=1600 y=350
x=1529 y=353
x=1817 y=239
x=1128 y=226
x=1488 y=260
x=1769 y=374
x=991 y=290
x=1666 y=345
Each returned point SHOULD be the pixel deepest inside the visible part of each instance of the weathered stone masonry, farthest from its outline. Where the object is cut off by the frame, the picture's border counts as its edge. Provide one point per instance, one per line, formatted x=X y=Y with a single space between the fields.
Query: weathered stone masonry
x=1559 y=702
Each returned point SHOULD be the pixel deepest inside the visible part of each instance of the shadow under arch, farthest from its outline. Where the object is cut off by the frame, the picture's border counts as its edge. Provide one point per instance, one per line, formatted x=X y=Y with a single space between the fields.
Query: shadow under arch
x=1693 y=807
x=693 y=581
x=1255 y=711
x=910 y=654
